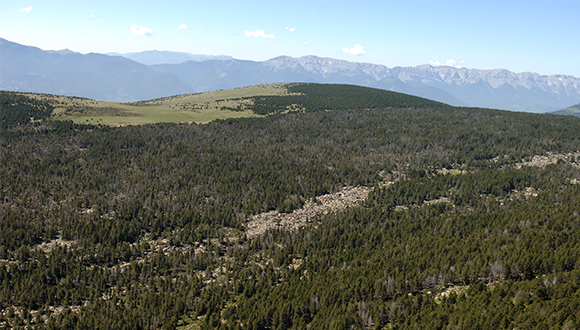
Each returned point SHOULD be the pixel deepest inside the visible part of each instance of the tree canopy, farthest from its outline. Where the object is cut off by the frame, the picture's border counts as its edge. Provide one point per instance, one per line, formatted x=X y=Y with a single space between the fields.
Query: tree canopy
x=144 y=227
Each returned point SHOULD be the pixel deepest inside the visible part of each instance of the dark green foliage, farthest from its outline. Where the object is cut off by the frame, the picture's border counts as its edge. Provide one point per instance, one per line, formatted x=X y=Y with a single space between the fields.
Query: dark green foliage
x=17 y=109
x=360 y=267
x=143 y=227
x=317 y=97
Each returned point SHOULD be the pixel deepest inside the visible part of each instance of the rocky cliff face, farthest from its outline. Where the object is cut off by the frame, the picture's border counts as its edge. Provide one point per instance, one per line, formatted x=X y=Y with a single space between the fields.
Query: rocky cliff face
x=526 y=91
x=428 y=74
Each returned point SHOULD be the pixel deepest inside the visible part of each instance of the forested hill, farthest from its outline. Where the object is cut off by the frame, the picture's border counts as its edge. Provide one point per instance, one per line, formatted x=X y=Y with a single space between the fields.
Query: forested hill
x=17 y=109
x=317 y=97
x=244 y=102
x=470 y=218
x=572 y=110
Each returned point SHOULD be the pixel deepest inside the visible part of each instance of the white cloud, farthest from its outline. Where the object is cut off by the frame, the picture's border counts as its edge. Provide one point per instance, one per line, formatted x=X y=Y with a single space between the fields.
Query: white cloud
x=449 y=62
x=92 y=16
x=290 y=29
x=26 y=9
x=182 y=27
x=142 y=31
x=258 y=33
x=356 y=50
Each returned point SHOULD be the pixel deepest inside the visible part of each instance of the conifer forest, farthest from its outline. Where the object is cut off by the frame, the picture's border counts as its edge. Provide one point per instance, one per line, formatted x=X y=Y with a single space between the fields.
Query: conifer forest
x=469 y=218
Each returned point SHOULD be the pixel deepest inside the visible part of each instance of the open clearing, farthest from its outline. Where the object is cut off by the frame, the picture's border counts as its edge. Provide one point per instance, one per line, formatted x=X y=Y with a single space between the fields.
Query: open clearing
x=199 y=108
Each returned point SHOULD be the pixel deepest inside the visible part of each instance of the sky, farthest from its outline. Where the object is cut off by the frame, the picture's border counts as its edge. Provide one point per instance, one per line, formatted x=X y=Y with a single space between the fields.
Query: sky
x=518 y=35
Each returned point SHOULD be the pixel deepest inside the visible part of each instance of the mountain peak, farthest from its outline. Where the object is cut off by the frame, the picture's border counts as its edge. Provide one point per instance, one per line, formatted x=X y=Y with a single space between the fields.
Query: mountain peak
x=65 y=51
x=282 y=58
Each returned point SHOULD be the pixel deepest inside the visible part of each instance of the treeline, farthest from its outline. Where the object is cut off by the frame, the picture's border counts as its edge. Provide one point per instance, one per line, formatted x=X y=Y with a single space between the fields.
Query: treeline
x=143 y=227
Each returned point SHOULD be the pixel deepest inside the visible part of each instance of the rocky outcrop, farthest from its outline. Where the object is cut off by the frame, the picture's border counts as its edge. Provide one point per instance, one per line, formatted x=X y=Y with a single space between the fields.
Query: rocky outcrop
x=325 y=204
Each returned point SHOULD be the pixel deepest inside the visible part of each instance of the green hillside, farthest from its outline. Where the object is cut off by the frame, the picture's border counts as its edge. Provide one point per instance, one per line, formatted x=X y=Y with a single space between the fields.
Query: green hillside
x=343 y=208
x=242 y=102
x=198 y=108
x=572 y=111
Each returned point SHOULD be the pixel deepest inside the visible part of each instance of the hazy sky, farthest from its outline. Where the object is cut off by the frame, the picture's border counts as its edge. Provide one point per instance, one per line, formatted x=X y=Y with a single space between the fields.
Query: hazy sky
x=537 y=36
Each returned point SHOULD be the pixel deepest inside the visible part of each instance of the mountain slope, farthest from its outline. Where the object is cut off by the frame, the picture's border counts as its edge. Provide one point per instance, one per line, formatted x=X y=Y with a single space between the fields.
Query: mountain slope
x=501 y=89
x=223 y=104
x=198 y=107
x=152 y=57
x=572 y=111
x=216 y=75
x=29 y=69
x=463 y=218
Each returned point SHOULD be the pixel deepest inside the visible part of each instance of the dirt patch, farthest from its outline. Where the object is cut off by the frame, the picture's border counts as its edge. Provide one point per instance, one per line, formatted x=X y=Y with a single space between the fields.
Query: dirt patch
x=527 y=193
x=437 y=201
x=457 y=289
x=441 y=200
x=47 y=247
x=330 y=203
x=125 y=124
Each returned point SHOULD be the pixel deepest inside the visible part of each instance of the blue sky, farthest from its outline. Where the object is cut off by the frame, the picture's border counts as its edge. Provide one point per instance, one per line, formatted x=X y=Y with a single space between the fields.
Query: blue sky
x=536 y=36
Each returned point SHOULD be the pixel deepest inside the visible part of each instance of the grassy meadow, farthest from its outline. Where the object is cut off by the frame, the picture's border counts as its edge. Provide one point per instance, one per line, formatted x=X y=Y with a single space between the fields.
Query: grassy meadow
x=199 y=108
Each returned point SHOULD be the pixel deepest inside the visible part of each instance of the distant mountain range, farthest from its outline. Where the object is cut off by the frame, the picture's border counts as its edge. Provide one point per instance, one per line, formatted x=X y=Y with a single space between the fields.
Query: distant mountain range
x=122 y=78
x=97 y=76
x=152 y=57
x=216 y=75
